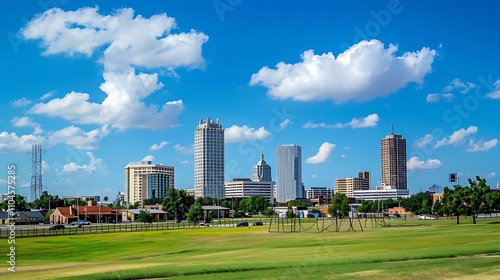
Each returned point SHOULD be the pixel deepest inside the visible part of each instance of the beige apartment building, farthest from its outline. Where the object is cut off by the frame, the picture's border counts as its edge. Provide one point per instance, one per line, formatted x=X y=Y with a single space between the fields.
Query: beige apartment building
x=347 y=186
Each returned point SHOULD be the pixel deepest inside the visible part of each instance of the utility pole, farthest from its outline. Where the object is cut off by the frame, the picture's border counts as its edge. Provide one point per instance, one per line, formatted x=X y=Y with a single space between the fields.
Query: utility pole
x=77 y=212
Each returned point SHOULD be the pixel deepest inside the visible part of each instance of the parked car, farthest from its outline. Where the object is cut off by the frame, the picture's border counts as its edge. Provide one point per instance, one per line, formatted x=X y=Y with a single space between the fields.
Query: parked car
x=74 y=223
x=258 y=223
x=362 y=215
x=56 y=227
x=242 y=224
x=84 y=223
x=204 y=224
x=422 y=217
x=395 y=216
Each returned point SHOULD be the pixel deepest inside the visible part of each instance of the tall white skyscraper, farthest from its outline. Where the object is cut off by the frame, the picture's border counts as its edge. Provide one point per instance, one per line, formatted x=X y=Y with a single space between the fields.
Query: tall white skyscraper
x=262 y=171
x=209 y=159
x=289 y=170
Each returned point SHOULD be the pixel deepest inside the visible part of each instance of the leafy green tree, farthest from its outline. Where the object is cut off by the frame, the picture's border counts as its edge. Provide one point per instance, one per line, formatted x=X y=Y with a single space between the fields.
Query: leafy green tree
x=414 y=202
x=437 y=208
x=47 y=201
x=424 y=209
x=145 y=217
x=477 y=200
x=135 y=205
x=226 y=203
x=177 y=203
x=366 y=206
x=152 y=201
x=47 y=216
x=301 y=204
x=106 y=199
x=336 y=206
x=195 y=214
x=345 y=208
x=19 y=204
x=268 y=212
x=453 y=200
x=493 y=201
x=391 y=203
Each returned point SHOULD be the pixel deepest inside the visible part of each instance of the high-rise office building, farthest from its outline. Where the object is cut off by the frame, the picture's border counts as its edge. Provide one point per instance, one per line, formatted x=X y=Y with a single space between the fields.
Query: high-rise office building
x=209 y=159
x=347 y=186
x=145 y=180
x=289 y=173
x=262 y=171
x=393 y=154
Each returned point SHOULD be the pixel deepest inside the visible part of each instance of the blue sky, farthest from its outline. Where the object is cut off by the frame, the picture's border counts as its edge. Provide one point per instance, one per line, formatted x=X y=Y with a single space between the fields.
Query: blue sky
x=119 y=81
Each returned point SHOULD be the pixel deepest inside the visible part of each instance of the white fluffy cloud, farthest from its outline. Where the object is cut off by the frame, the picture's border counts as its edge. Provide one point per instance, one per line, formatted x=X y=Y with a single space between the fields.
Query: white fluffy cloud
x=156 y=147
x=365 y=71
x=71 y=135
x=446 y=93
x=93 y=165
x=416 y=163
x=285 y=123
x=21 y=102
x=458 y=84
x=322 y=125
x=23 y=122
x=436 y=97
x=47 y=95
x=495 y=94
x=368 y=121
x=481 y=145
x=78 y=138
x=491 y=175
x=236 y=133
x=13 y=143
x=456 y=137
x=424 y=141
x=323 y=154
x=128 y=42
x=183 y=149
x=148 y=158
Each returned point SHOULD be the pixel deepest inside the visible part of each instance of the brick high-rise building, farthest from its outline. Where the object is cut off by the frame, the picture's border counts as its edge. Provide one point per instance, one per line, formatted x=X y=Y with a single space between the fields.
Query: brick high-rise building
x=393 y=155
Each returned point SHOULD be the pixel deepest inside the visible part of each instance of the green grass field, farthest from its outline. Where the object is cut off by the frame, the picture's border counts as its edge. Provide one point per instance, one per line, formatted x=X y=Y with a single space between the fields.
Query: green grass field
x=436 y=249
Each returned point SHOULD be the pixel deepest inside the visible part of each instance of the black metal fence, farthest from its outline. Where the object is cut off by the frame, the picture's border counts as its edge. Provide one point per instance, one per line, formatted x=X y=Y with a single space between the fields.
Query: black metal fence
x=30 y=231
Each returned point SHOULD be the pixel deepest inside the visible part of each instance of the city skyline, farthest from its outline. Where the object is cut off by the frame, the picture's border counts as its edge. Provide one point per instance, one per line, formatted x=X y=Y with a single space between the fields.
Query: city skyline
x=100 y=86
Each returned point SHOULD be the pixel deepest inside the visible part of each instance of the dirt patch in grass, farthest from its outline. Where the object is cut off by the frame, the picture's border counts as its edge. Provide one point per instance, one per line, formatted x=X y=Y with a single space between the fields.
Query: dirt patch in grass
x=364 y=273
x=51 y=271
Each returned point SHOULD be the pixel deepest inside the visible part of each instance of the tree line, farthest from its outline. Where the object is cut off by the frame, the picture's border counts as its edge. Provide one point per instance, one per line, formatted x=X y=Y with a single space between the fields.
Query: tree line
x=476 y=198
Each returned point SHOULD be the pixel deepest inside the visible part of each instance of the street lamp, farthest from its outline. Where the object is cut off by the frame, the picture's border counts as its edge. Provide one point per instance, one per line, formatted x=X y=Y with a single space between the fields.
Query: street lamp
x=77 y=212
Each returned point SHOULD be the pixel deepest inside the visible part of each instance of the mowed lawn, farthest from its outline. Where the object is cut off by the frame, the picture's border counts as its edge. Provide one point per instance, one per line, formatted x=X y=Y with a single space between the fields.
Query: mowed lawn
x=435 y=249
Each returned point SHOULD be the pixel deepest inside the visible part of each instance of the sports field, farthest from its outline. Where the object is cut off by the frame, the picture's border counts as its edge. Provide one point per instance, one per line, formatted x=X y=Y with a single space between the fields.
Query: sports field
x=435 y=249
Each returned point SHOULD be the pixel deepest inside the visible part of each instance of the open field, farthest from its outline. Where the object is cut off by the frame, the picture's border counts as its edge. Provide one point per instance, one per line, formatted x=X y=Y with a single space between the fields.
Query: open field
x=430 y=249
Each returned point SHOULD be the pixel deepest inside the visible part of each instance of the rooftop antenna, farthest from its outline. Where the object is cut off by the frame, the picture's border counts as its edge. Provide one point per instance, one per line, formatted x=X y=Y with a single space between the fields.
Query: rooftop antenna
x=392 y=129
